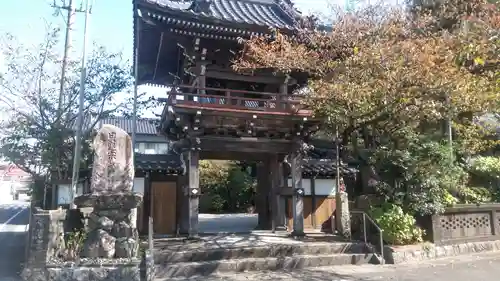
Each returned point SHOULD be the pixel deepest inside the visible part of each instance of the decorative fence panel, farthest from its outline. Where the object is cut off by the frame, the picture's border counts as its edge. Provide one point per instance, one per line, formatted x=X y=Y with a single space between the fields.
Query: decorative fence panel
x=464 y=223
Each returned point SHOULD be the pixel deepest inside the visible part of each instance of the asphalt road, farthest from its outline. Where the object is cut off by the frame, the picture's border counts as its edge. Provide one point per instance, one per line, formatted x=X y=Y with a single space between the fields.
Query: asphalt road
x=14 y=218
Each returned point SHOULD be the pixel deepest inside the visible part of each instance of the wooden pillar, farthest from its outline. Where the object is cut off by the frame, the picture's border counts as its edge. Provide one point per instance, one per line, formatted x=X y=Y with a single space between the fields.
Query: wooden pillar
x=313 y=201
x=146 y=205
x=261 y=198
x=285 y=168
x=274 y=184
x=282 y=183
x=193 y=192
x=298 y=194
x=183 y=199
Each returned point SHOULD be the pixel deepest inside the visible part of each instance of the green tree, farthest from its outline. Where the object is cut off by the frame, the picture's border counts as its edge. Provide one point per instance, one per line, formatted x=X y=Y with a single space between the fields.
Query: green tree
x=388 y=79
x=226 y=187
x=38 y=134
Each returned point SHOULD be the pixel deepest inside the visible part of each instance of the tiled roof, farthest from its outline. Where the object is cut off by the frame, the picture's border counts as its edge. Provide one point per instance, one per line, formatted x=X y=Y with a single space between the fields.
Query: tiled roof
x=269 y=13
x=324 y=168
x=144 y=126
x=168 y=164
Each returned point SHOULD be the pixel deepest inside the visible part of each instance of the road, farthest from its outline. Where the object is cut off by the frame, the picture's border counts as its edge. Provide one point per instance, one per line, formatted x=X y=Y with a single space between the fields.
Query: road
x=14 y=218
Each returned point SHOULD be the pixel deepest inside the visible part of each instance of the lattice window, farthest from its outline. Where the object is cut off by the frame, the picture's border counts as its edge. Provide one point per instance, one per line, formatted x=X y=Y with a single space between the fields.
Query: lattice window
x=465 y=225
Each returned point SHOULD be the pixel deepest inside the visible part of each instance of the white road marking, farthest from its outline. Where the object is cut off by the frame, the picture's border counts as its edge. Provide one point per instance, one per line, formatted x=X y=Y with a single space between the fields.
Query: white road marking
x=15 y=228
x=11 y=219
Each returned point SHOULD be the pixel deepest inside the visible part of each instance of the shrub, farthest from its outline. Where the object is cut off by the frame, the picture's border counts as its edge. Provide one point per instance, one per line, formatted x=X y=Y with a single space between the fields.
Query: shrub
x=399 y=227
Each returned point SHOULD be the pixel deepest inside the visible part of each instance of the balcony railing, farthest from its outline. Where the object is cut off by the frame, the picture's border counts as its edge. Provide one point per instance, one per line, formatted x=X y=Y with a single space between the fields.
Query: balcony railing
x=236 y=100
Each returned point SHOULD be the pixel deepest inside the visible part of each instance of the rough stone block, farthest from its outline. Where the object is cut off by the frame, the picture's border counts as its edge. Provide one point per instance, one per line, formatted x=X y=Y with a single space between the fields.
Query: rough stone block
x=126 y=247
x=99 y=274
x=99 y=243
x=123 y=230
x=100 y=222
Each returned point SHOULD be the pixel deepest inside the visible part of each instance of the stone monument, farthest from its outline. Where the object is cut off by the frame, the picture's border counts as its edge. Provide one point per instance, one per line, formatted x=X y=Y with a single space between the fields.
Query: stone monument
x=111 y=225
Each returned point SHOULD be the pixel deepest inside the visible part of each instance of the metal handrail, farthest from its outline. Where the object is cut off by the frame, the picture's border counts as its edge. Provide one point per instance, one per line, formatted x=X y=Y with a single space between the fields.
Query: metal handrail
x=380 y=231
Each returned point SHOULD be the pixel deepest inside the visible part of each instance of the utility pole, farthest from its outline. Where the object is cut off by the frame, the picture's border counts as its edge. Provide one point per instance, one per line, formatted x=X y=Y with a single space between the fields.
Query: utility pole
x=81 y=101
x=70 y=18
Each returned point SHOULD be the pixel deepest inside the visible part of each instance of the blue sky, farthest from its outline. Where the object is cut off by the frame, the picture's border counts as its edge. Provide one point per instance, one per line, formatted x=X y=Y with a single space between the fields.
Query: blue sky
x=110 y=25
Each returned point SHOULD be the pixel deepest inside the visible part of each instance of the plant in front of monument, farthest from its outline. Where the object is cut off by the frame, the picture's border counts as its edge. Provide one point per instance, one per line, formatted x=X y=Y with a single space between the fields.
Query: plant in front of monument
x=38 y=132
x=73 y=245
x=390 y=80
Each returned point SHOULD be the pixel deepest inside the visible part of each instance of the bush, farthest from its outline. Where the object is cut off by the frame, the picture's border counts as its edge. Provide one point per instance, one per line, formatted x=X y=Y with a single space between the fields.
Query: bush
x=420 y=178
x=228 y=188
x=399 y=227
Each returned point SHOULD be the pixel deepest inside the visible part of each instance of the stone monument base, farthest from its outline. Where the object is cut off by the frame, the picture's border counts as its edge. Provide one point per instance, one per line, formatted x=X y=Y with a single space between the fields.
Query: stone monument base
x=110 y=230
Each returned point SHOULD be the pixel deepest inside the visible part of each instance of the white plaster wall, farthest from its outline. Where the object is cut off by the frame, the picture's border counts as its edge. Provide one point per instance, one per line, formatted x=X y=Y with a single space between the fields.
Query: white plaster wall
x=138 y=185
x=63 y=193
x=323 y=187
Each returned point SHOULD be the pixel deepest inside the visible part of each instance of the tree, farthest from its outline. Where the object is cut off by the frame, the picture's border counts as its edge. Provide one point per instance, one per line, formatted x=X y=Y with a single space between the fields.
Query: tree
x=385 y=76
x=225 y=186
x=38 y=134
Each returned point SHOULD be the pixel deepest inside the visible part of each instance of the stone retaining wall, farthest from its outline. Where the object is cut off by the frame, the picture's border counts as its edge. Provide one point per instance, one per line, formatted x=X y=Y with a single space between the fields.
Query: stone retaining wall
x=85 y=270
x=429 y=251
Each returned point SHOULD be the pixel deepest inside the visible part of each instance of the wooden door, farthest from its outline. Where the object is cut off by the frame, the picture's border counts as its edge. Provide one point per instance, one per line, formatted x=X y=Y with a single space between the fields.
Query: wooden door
x=163 y=206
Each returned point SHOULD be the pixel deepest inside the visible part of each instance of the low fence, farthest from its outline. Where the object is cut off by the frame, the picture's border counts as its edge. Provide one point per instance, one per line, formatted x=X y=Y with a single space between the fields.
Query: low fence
x=463 y=223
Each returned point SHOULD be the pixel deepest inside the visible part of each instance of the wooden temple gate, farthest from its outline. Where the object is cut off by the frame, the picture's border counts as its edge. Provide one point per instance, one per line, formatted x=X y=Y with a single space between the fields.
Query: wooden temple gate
x=211 y=112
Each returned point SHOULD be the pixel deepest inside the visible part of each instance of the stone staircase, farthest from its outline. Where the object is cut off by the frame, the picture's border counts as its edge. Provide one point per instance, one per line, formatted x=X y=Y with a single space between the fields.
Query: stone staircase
x=186 y=261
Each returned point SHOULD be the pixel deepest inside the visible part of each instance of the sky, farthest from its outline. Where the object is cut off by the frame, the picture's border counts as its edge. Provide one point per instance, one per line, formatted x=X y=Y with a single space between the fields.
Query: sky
x=110 y=22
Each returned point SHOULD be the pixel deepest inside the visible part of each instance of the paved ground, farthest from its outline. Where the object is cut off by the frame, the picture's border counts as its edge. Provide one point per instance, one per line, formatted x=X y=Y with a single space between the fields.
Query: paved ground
x=481 y=267
x=233 y=223
x=14 y=218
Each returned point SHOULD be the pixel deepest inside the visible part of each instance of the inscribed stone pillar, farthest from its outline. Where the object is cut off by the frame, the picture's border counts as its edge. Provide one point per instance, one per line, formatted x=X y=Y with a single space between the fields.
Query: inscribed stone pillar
x=113 y=166
x=298 y=194
x=112 y=223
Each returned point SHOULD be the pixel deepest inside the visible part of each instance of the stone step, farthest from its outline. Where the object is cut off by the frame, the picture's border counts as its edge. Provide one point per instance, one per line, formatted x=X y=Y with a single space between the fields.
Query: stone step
x=190 y=269
x=277 y=250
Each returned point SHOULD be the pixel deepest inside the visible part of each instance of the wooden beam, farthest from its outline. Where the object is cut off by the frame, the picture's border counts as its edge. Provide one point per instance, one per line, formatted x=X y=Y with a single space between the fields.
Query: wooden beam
x=248 y=145
x=231 y=155
x=228 y=75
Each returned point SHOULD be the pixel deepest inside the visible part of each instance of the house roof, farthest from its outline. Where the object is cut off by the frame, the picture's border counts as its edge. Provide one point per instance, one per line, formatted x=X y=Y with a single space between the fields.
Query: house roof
x=268 y=13
x=169 y=164
x=145 y=126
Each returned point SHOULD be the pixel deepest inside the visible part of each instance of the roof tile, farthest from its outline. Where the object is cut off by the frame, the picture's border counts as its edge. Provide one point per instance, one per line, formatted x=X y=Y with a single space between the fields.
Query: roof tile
x=256 y=12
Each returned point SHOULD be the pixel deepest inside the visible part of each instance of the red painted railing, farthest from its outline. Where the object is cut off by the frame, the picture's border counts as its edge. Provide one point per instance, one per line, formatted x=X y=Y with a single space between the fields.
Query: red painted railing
x=235 y=100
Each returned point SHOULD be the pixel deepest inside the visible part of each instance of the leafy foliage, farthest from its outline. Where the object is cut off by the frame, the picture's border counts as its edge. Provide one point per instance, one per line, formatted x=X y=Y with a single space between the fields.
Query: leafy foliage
x=389 y=79
x=423 y=178
x=226 y=186
x=38 y=134
x=399 y=227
